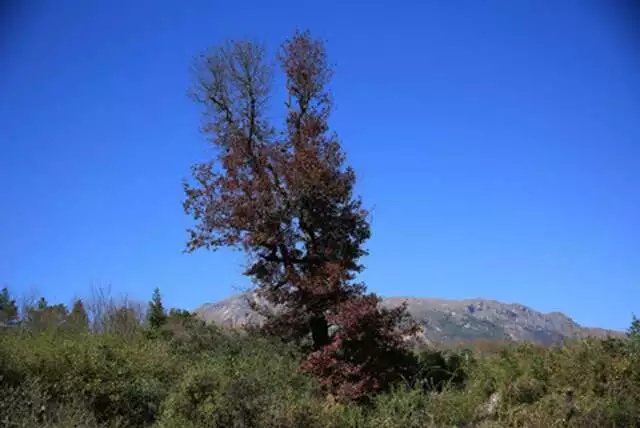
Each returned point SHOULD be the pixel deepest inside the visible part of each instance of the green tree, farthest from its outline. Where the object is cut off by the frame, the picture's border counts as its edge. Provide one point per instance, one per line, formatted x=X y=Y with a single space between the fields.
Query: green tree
x=8 y=308
x=45 y=316
x=180 y=315
x=634 y=330
x=633 y=333
x=78 y=319
x=156 y=316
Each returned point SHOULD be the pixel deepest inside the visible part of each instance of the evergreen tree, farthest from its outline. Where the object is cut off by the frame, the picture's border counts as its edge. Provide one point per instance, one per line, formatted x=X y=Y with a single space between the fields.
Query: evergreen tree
x=8 y=308
x=634 y=330
x=633 y=333
x=156 y=316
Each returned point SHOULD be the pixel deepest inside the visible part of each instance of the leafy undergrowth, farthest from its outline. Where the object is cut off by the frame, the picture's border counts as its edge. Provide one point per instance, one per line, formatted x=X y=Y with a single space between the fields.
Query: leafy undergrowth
x=191 y=375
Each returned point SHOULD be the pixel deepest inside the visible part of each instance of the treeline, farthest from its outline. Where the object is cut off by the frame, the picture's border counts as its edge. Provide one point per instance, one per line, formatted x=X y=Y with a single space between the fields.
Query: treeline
x=144 y=365
x=100 y=313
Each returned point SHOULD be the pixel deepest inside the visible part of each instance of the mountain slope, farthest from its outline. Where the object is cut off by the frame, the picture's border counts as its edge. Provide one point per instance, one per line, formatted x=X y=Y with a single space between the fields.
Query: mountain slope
x=444 y=321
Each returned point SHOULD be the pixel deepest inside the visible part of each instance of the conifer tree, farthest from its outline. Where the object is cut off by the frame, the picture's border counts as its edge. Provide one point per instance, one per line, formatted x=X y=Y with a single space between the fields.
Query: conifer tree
x=633 y=334
x=8 y=308
x=156 y=315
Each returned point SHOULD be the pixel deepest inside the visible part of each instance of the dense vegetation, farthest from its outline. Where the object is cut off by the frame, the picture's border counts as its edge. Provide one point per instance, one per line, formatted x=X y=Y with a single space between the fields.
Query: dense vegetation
x=68 y=368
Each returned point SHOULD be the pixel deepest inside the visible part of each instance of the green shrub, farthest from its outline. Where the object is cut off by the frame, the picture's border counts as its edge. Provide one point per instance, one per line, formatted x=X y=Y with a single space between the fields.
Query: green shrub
x=31 y=405
x=438 y=369
x=116 y=379
x=400 y=408
x=250 y=384
x=194 y=375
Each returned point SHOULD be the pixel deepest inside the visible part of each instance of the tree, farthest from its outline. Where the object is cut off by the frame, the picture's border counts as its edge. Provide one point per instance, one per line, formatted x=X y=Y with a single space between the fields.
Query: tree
x=124 y=320
x=633 y=334
x=285 y=198
x=8 y=308
x=156 y=315
x=42 y=304
x=78 y=319
x=180 y=316
x=287 y=201
x=367 y=354
x=44 y=316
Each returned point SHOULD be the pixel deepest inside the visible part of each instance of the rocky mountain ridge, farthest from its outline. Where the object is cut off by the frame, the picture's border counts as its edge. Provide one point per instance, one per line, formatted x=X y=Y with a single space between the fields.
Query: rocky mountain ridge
x=443 y=320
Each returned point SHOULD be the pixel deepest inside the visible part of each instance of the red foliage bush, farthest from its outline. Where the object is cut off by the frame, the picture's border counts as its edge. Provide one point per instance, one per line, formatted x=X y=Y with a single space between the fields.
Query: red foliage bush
x=367 y=353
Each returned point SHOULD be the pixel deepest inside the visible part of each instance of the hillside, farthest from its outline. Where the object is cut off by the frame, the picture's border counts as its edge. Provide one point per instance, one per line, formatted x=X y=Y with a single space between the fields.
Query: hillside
x=445 y=321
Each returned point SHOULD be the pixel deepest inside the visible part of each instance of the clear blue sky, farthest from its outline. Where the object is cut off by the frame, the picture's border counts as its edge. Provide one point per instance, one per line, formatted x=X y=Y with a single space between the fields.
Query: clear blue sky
x=497 y=145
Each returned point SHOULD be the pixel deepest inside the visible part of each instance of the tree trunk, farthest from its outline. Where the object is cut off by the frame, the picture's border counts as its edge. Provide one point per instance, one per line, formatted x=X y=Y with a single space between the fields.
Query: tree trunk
x=319 y=331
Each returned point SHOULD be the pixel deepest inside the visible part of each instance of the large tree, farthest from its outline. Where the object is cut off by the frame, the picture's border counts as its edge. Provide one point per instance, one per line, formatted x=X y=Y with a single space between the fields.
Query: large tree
x=284 y=196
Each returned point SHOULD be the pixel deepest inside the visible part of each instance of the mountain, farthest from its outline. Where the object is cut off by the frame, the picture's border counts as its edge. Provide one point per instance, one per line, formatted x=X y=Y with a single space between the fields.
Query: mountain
x=444 y=321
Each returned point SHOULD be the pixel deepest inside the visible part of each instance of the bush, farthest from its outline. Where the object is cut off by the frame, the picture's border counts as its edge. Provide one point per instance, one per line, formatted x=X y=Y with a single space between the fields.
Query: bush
x=30 y=405
x=437 y=369
x=193 y=375
x=255 y=384
x=115 y=379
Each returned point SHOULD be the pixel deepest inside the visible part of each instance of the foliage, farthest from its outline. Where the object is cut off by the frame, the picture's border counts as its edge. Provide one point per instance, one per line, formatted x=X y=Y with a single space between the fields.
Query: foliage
x=8 y=308
x=156 y=315
x=366 y=355
x=260 y=388
x=286 y=201
x=107 y=314
x=197 y=375
x=44 y=316
x=438 y=370
x=78 y=319
x=633 y=333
